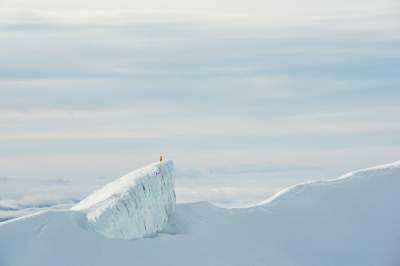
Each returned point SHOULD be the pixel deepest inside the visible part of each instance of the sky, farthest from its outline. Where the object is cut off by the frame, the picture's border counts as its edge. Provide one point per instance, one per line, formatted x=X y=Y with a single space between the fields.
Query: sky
x=246 y=98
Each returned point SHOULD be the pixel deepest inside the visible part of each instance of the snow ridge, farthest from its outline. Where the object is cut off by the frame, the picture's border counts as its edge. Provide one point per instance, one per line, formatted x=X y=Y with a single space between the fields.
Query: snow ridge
x=364 y=174
x=133 y=206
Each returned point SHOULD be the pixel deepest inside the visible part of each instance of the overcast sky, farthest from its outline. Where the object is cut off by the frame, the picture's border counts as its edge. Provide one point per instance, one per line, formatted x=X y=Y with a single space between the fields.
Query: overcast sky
x=262 y=92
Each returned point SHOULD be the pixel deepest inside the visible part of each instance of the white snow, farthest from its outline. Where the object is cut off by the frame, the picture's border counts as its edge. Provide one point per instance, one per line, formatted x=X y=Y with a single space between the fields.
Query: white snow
x=350 y=221
x=133 y=206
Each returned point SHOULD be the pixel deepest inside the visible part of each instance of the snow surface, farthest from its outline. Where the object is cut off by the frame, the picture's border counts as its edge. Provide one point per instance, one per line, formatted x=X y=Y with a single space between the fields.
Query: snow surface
x=350 y=221
x=133 y=206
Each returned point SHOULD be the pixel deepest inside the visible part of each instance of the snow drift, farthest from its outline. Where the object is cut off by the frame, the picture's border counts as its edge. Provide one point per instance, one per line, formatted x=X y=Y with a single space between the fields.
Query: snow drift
x=133 y=206
x=350 y=221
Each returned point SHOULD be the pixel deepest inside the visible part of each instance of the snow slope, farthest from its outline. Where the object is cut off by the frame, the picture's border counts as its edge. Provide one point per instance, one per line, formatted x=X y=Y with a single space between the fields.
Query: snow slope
x=133 y=206
x=353 y=220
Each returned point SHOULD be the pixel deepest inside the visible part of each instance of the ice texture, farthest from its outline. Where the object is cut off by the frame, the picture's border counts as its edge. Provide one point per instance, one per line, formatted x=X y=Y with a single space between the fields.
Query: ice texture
x=133 y=206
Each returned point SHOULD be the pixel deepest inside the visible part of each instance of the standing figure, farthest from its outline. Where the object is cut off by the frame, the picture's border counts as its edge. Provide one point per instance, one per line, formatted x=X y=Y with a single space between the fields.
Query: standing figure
x=161 y=158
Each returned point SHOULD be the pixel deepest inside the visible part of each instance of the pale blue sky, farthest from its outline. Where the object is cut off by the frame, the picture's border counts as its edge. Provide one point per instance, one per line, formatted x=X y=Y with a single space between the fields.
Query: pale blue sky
x=295 y=92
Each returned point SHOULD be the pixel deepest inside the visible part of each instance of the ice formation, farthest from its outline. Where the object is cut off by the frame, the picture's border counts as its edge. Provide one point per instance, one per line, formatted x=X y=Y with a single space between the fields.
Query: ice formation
x=133 y=206
x=350 y=221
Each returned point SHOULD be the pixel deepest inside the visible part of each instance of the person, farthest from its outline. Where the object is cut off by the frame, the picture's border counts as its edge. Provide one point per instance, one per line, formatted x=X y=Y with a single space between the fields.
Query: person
x=161 y=158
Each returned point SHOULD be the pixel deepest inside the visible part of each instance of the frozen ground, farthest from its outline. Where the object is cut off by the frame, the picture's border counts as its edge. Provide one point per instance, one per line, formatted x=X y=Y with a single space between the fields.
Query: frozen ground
x=353 y=220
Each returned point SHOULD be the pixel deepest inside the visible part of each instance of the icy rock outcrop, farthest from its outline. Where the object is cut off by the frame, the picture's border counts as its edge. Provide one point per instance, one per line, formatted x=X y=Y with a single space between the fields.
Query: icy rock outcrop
x=133 y=206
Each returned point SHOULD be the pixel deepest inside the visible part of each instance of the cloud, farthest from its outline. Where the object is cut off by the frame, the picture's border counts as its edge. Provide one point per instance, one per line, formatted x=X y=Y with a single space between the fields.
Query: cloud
x=187 y=173
x=83 y=93
x=56 y=182
x=25 y=196
x=286 y=11
x=6 y=179
x=266 y=168
x=239 y=170
x=190 y=48
x=63 y=129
